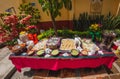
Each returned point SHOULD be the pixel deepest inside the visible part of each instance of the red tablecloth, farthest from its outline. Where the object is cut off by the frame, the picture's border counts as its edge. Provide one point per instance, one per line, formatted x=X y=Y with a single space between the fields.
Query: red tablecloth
x=60 y=63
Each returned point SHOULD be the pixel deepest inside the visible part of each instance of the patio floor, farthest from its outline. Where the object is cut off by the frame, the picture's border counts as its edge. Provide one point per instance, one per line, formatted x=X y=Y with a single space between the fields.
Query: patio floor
x=97 y=73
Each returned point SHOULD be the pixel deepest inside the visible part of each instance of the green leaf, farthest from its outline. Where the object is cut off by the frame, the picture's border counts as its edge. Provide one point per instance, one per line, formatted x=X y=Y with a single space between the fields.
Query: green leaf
x=40 y=1
x=60 y=5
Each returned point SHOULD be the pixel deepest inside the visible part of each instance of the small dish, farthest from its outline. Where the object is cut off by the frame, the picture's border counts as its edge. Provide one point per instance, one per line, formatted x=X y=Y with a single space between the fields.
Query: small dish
x=55 y=52
x=40 y=53
x=74 y=53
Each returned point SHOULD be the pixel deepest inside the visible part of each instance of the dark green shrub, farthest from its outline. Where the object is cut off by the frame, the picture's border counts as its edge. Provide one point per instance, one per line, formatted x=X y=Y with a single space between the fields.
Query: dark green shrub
x=108 y=21
x=85 y=20
x=46 y=34
x=63 y=33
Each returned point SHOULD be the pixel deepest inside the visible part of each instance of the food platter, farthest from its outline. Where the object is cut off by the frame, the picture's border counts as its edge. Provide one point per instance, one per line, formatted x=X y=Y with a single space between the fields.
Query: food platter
x=63 y=47
x=67 y=44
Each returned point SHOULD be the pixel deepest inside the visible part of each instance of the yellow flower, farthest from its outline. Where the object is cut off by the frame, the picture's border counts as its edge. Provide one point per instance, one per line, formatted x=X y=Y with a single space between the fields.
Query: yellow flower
x=22 y=32
x=94 y=27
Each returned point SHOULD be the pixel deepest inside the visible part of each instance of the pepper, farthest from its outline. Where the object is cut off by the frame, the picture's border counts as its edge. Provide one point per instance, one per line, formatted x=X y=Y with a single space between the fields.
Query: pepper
x=33 y=37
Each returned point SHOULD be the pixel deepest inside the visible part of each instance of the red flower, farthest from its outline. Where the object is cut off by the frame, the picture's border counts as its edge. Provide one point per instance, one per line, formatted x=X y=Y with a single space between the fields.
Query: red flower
x=32 y=27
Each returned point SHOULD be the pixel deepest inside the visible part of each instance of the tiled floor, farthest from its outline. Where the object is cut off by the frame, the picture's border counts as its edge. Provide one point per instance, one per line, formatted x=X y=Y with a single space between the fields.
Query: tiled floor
x=5 y=64
x=4 y=52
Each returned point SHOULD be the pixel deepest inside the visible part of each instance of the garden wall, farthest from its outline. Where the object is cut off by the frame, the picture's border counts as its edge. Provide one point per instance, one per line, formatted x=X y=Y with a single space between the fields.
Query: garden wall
x=64 y=24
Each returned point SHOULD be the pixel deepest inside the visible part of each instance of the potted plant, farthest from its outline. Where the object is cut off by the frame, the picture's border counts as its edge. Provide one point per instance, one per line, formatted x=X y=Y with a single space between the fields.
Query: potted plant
x=95 y=32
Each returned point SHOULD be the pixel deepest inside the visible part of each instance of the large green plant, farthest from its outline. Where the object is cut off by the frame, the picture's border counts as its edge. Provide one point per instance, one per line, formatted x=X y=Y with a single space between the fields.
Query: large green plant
x=28 y=9
x=111 y=22
x=52 y=8
x=85 y=20
x=108 y=21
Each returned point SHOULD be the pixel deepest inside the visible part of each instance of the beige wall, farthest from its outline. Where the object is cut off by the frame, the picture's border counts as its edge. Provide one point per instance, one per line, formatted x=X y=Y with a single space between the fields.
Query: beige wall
x=110 y=5
x=79 y=6
x=5 y=4
x=44 y=17
x=84 y=6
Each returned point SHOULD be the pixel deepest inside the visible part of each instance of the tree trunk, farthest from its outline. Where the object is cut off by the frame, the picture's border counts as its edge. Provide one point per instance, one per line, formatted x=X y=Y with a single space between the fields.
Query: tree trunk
x=54 y=25
x=53 y=19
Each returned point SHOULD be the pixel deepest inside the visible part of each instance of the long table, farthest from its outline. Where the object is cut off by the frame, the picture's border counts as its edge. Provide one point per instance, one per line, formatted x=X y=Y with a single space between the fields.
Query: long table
x=56 y=63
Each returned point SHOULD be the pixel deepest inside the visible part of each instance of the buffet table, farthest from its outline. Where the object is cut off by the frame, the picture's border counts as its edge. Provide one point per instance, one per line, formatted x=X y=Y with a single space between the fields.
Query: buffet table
x=65 y=53
x=60 y=62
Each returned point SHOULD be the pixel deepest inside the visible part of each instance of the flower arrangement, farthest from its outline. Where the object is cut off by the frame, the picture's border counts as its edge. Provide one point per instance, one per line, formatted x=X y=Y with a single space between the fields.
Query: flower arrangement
x=8 y=30
x=11 y=20
x=14 y=24
x=95 y=32
x=95 y=27
x=22 y=32
x=26 y=20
